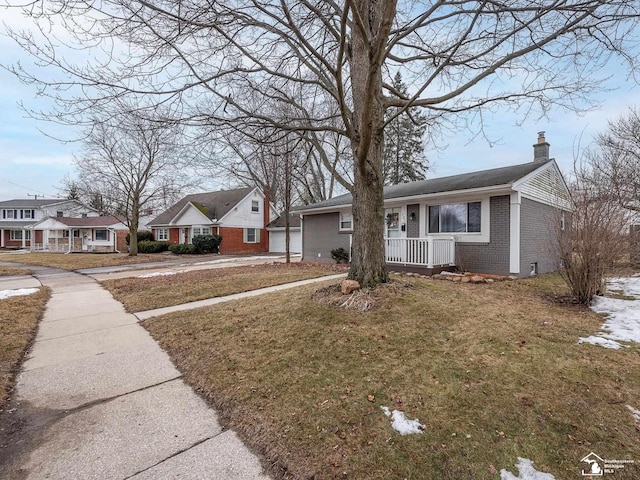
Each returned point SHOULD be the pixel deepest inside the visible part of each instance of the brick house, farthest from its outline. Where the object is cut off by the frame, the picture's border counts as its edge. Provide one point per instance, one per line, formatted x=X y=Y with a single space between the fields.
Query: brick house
x=240 y=216
x=500 y=221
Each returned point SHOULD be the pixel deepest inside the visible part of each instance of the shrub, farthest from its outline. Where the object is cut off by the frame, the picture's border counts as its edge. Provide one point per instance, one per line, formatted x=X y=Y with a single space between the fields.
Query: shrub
x=340 y=255
x=143 y=236
x=207 y=243
x=182 y=249
x=148 y=246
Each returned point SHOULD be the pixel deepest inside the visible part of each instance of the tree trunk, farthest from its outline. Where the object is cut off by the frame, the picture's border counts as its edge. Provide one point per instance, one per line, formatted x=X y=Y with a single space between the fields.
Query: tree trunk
x=134 y=223
x=368 y=265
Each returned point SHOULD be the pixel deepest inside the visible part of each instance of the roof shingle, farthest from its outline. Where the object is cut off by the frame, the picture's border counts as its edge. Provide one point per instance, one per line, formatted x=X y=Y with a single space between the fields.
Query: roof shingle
x=214 y=205
x=466 y=181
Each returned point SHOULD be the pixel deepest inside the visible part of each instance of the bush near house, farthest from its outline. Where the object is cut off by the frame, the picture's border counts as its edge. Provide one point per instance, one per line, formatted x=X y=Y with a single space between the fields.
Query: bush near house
x=148 y=246
x=183 y=248
x=207 y=243
x=143 y=236
x=340 y=255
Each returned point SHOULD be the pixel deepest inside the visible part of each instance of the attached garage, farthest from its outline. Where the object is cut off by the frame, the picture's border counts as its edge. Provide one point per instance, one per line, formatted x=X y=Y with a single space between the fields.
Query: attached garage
x=277 y=235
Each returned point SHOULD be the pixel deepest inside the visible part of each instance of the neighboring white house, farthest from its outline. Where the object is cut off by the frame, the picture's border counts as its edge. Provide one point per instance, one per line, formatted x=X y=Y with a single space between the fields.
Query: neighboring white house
x=277 y=235
x=84 y=234
x=16 y=217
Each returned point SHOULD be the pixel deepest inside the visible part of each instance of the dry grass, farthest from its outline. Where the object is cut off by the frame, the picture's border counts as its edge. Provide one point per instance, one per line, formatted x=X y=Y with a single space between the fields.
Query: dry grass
x=77 y=261
x=12 y=271
x=139 y=294
x=494 y=371
x=19 y=318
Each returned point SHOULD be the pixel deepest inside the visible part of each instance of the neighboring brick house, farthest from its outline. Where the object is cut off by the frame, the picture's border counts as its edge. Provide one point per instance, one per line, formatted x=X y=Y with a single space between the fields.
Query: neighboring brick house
x=90 y=234
x=502 y=221
x=18 y=215
x=240 y=216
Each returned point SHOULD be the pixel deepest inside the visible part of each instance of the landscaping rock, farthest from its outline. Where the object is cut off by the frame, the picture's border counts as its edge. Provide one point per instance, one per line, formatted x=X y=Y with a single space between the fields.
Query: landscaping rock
x=489 y=280
x=456 y=279
x=349 y=286
x=465 y=280
x=477 y=279
x=437 y=276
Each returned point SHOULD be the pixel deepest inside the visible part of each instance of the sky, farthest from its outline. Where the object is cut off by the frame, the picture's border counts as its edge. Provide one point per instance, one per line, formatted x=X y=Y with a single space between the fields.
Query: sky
x=33 y=163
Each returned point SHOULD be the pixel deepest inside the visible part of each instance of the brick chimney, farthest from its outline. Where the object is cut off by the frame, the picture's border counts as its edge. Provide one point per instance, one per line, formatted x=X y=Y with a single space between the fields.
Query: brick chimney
x=541 y=149
x=266 y=212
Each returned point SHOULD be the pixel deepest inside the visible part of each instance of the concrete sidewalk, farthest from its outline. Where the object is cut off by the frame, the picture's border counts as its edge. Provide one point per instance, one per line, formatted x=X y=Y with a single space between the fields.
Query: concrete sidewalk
x=191 y=264
x=97 y=398
x=236 y=296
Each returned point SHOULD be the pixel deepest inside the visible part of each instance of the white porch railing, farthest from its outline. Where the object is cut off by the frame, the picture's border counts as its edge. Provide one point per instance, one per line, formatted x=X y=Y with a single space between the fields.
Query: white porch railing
x=427 y=251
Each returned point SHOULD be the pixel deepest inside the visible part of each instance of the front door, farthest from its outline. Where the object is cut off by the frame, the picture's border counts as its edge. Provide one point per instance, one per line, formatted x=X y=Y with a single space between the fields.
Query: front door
x=184 y=235
x=392 y=222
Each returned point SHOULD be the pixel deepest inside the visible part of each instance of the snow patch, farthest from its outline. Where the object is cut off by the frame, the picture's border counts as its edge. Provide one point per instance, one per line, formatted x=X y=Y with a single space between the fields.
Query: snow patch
x=635 y=413
x=160 y=274
x=526 y=472
x=17 y=293
x=401 y=424
x=603 y=342
x=239 y=259
x=623 y=321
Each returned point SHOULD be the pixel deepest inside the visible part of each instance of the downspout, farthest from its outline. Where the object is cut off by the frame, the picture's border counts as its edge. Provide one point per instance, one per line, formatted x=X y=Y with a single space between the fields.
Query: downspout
x=115 y=240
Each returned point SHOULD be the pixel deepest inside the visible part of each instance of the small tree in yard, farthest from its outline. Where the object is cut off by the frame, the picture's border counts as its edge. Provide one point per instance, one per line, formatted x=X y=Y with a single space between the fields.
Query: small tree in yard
x=592 y=240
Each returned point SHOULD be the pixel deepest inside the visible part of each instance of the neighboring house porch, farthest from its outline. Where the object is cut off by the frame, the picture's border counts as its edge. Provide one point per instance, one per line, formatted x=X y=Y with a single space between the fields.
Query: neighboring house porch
x=79 y=235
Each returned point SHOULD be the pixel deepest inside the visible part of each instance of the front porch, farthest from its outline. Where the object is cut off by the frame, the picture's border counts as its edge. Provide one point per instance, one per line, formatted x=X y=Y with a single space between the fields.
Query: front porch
x=422 y=255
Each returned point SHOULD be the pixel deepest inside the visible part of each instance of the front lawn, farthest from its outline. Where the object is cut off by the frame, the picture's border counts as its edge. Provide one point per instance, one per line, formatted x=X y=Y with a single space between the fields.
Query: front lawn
x=13 y=271
x=78 y=261
x=494 y=372
x=19 y=317
x=163 y=290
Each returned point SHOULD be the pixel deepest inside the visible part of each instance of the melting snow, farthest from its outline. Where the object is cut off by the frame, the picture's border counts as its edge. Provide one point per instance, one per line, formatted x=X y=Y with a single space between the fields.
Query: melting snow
x=159 y=274
x=402 y=424
x=635 y=413
x=526 y=472
x=240 y=259
x=623 y=322
x=17 y=293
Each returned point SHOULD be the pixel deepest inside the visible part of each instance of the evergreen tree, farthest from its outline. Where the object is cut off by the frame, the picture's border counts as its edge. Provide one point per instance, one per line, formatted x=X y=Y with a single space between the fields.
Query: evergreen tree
x=404 y=159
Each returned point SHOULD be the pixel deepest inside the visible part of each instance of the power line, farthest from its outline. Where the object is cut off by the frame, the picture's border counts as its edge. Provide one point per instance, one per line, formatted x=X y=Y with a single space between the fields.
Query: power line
x=26 y=188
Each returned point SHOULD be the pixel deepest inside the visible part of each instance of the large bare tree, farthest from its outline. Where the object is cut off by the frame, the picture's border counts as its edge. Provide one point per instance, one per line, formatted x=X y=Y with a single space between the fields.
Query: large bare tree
x=132 y=163
x=614 y=161
x=459 y=58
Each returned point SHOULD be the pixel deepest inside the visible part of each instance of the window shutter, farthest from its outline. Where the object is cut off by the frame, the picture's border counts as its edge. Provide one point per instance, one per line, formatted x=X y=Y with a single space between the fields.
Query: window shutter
x=257 y=235
x=244 y=235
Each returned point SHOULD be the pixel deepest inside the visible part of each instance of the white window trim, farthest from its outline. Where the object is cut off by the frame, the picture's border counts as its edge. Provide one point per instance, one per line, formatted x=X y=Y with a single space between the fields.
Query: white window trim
x=257 y=202
x=106 y=239
x=342 y=218
x=162 y=234
x=26 y=234
x=483 y=236
x=245 y=235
